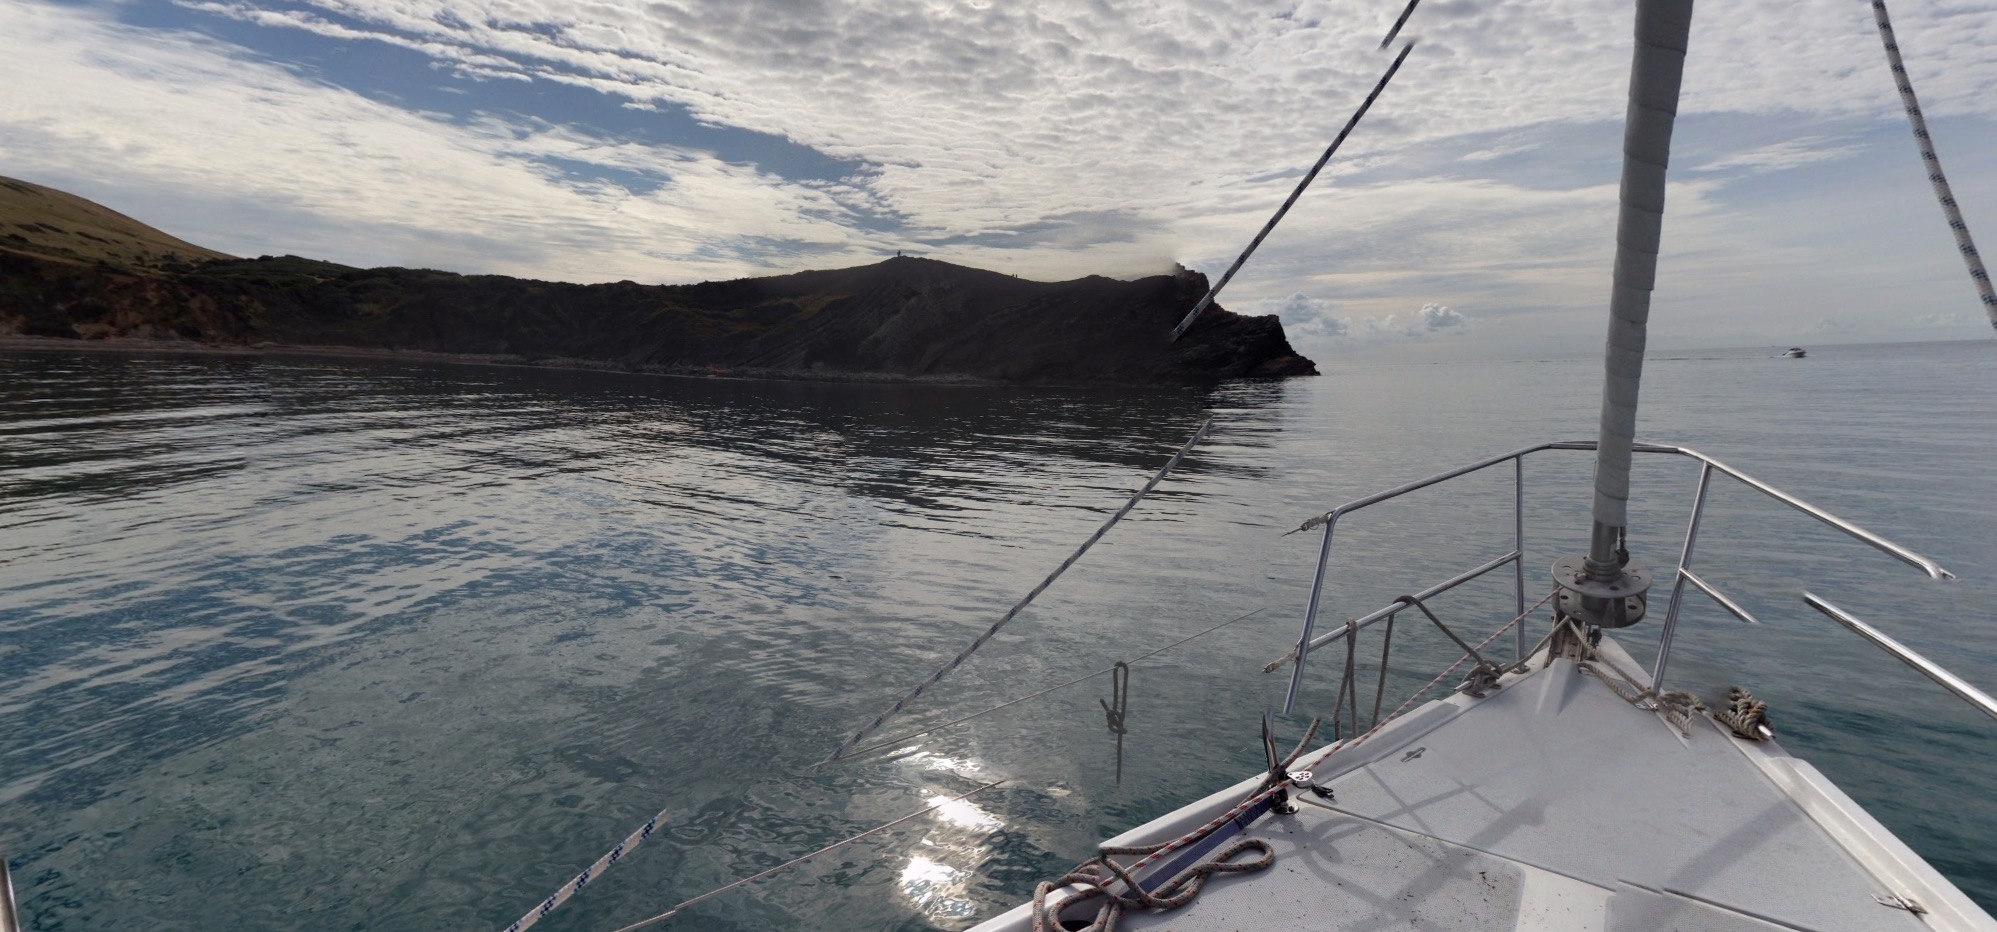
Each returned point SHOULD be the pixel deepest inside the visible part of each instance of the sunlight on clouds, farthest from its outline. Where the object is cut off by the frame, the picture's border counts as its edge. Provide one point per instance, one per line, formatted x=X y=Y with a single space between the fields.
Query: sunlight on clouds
x=383 y=185
x=1054 y=140
x=1311 y=322
x=983 y=120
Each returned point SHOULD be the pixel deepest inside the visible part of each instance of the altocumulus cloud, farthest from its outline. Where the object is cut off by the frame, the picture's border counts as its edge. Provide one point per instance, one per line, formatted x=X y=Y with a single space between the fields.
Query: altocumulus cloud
x=1311 y=321
x=1054 y=139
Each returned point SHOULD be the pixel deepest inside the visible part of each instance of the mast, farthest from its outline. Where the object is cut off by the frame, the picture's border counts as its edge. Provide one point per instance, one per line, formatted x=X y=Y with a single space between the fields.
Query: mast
x=1604 y=588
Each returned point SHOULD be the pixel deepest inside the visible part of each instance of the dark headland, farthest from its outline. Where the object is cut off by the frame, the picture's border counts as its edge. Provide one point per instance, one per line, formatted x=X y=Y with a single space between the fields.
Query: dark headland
x=72 y=270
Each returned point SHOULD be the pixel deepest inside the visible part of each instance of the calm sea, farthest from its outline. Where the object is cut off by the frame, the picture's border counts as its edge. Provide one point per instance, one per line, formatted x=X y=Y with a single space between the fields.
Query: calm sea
x=333 y=644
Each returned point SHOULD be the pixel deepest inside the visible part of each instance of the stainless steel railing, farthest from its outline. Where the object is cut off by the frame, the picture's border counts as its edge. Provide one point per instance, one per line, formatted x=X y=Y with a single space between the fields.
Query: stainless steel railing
x=9 y=921
x=1928 y=668
x=1306 y=642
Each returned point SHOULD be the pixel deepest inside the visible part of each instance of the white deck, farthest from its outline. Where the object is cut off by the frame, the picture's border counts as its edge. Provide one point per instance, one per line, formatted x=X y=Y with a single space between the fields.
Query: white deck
x=1553 y=804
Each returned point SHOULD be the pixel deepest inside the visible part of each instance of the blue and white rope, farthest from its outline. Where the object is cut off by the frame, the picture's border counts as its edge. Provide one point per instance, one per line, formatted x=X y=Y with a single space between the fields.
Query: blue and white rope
x=589 y=873
x=958 y=661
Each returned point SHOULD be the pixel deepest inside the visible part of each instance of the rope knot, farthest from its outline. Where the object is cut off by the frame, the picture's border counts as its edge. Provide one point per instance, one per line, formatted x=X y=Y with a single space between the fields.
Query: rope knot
x=1482 y=679
x=1746 y=715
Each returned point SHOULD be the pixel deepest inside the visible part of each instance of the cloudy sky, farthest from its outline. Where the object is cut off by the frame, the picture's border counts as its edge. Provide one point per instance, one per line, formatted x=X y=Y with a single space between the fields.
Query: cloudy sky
x=685 y=140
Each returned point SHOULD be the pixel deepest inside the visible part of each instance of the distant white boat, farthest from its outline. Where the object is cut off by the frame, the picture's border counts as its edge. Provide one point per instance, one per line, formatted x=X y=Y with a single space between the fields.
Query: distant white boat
x=1795 y=352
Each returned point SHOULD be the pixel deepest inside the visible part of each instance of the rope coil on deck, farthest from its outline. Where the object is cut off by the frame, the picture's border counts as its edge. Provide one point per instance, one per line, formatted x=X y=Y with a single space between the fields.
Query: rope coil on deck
x=1096 y=875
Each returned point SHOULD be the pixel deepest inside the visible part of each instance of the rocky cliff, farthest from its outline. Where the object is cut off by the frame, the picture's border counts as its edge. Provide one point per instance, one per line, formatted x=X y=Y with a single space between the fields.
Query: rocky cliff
x=902 y=318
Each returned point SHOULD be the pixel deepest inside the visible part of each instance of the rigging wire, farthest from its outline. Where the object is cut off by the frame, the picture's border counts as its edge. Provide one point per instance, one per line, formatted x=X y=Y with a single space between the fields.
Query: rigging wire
x=1021 y=605
x=892 y=742
x=1299 y=192
x=800 y=860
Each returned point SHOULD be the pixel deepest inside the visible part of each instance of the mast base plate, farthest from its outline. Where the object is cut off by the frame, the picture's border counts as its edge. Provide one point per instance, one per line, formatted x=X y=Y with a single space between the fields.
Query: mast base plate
x=1571 y=573
x=1601 y=603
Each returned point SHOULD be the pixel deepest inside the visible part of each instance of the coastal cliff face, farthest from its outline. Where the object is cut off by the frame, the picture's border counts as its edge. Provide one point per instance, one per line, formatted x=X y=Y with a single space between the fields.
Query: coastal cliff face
x=902 y=318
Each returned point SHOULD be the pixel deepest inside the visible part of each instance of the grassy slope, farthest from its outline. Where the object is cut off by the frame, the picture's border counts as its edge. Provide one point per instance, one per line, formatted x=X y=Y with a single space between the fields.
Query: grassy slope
x=52 y=224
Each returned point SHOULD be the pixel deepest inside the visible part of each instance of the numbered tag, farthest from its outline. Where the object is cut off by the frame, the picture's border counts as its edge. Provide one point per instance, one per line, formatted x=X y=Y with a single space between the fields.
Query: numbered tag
x=1300 y=777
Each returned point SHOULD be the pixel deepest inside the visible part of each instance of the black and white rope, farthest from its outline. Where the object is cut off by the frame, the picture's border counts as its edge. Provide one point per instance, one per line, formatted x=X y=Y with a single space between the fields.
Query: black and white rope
x=1406 y=12
x=1309 y=176
x=1956 y=225
x=589 y=873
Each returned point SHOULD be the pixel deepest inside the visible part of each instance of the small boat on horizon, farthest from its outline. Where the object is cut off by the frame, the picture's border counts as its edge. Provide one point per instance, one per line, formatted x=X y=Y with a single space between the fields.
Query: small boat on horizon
x=1795 y=352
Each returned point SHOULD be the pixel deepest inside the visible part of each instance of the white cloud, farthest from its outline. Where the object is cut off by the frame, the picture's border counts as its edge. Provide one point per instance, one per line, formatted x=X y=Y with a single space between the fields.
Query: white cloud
x=1437 y=317
x=1431 y=320
x=1956 y=320
x=1789 y=153
x=1310 y=322
x=1052 y=139
x=334 y=174
x=1498 y=152
x=1306 y=319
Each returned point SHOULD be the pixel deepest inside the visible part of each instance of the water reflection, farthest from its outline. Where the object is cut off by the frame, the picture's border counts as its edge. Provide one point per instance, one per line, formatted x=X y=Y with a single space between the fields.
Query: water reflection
x=942 y=865
x=937 y=889
x=381 y=645
x=937 y=878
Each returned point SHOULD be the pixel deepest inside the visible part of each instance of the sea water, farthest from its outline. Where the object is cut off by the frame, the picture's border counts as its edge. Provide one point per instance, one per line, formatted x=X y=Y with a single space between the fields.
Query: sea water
x=337 y=644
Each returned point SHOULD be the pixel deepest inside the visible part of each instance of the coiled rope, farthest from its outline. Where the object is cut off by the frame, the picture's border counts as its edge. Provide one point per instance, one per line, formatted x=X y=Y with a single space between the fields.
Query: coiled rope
x=1746 y=715
x=1097 y=875
x=1934 y=163
x=1021 y=605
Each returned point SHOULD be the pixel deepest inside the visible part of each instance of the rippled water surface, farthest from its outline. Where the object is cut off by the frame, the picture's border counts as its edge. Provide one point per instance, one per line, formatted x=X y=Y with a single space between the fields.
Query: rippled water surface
x=298 y=643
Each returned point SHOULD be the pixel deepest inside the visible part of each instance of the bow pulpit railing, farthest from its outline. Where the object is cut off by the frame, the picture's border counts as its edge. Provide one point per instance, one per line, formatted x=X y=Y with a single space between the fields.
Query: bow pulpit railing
x=1684 y=576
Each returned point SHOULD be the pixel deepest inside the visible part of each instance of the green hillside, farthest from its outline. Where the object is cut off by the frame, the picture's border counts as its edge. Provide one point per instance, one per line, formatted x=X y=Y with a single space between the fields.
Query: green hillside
x=53 y=224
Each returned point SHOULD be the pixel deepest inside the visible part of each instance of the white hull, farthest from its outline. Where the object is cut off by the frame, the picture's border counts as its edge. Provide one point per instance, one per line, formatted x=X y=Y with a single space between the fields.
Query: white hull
x=1553 y=804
